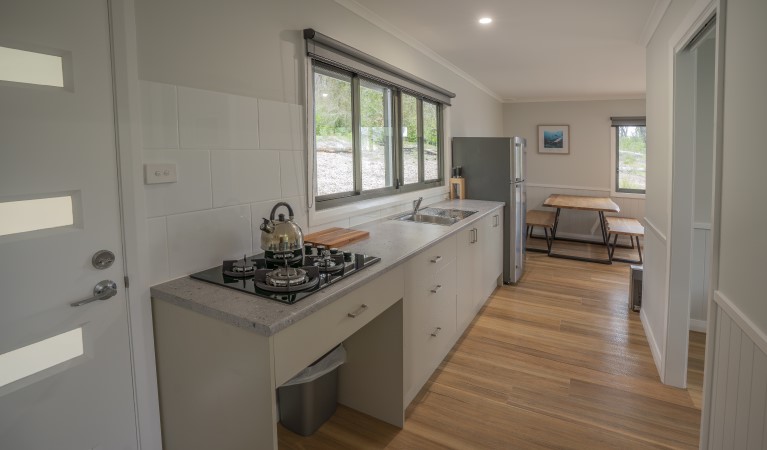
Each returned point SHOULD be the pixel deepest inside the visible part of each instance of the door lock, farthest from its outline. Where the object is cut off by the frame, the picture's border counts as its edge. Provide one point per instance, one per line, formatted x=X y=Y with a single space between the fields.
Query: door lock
x=103 y=259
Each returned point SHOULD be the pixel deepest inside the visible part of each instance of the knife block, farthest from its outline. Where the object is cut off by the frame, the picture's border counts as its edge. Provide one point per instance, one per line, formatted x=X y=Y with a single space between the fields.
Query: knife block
x=457 y=188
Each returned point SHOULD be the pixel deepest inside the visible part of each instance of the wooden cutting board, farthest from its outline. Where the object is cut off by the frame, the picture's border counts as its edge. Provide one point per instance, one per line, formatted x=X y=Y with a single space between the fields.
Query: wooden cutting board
x=335 y=237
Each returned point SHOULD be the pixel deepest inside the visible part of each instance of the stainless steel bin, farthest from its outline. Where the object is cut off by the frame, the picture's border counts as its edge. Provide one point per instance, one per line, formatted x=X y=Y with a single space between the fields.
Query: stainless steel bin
x=310 y=398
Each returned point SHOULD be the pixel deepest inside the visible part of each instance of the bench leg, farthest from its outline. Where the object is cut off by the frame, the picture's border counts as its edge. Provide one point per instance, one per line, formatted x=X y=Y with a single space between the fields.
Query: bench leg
x=638 y=247
x=548 y=241
x=611 y=248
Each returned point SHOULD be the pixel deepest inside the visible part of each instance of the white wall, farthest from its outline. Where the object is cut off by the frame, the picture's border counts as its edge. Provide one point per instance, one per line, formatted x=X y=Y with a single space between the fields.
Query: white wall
x=223 y=98
x=743 y=242
x=587 y=169
x=704 y=166
x=735 y=408
x=704 y=127
x=659 y=81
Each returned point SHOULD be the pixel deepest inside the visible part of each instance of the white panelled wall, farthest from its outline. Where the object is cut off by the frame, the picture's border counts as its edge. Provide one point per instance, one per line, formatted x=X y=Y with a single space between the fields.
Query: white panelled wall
x=236 y=157
x=699 y=281
x=739 y=399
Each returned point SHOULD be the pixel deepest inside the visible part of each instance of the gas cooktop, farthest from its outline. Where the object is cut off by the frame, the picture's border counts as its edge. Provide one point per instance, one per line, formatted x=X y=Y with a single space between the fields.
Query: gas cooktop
x=286 y=283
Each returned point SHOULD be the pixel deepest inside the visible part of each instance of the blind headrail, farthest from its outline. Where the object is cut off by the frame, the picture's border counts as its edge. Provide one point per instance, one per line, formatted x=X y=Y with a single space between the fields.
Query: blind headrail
x=329 y=50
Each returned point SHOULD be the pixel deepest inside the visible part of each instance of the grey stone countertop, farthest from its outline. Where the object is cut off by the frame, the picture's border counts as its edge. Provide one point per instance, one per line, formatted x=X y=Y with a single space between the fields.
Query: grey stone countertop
x=393 y=241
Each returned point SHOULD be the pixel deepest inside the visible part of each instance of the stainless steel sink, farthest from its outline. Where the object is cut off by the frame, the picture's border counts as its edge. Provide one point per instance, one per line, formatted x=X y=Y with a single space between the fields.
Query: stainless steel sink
x=436 y=216
x=444 y=212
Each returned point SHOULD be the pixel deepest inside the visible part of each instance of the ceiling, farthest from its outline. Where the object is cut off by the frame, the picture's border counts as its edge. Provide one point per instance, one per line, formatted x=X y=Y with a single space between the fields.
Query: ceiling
x=534 y=50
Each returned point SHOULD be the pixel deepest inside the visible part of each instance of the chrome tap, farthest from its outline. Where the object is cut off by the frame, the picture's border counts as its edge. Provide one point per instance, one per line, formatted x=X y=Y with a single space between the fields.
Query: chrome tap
x=417 y=204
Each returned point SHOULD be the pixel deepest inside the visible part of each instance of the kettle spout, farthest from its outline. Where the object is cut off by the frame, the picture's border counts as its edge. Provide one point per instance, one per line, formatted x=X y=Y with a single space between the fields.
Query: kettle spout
x=267 y=226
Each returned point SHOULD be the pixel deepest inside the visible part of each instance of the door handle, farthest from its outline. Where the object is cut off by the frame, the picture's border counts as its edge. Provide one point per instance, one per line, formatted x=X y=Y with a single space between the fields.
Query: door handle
x=359 y=311
x=436 y=259
x=436 y=289
x=496 y=222
x=436 y=331
x=102 y=291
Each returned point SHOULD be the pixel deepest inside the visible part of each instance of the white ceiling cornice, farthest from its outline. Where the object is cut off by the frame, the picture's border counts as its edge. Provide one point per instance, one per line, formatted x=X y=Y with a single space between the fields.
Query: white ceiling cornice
x=594 y=98
x=653 y=20
x=386 y=26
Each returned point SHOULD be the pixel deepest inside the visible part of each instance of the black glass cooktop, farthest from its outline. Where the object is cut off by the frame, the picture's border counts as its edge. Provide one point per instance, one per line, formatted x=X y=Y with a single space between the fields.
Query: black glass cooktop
x=318 y=278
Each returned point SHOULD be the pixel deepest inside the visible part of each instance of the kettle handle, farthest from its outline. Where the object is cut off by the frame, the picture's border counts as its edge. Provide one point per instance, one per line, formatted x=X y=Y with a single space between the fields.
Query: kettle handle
x=290 y=210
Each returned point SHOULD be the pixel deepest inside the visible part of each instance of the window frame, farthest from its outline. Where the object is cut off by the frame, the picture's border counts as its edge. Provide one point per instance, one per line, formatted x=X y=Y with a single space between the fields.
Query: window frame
x=616 y=191
x=326 y=201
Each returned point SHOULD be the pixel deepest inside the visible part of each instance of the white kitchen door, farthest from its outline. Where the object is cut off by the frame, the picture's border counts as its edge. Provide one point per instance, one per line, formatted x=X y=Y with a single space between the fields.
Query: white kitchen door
x=65 y=371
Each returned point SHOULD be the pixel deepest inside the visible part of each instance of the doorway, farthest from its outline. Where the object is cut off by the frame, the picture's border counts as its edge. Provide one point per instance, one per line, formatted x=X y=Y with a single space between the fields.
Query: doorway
x=692 y=191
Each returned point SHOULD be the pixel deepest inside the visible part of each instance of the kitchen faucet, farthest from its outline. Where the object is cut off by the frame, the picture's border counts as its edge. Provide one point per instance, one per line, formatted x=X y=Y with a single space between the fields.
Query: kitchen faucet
x=417 y=204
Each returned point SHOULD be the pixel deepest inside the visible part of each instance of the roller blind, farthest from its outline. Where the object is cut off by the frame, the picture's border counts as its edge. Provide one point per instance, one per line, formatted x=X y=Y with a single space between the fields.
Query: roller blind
x=628 y=121
x=330 y=51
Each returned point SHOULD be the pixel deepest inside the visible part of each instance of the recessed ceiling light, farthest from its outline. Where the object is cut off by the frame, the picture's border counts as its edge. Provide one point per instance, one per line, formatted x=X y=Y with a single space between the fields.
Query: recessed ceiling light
x=485 y=20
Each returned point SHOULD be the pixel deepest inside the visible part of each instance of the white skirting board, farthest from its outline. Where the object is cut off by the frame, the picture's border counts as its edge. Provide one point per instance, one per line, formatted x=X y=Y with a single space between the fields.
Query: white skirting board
x=654 y=348
x=738 y=398
x=698 y=325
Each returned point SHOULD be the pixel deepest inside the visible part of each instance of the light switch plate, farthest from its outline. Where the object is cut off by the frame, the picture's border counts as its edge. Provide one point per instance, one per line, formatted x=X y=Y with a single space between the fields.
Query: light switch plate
x=160 y=173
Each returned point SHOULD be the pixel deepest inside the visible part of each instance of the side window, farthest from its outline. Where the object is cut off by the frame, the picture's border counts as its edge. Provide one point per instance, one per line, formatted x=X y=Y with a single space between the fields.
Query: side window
x=630 y=159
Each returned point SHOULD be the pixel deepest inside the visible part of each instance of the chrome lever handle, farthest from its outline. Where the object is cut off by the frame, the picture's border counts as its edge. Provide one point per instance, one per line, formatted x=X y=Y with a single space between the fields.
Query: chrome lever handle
x=436 y=289
x=359 y=311
x=102 y=291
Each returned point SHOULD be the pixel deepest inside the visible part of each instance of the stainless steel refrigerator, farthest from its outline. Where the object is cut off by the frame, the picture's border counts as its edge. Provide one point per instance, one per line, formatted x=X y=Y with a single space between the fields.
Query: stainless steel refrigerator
x=494 y=169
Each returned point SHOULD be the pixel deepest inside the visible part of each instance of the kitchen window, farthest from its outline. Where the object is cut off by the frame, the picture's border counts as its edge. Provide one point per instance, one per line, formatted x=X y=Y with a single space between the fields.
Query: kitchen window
x=376 y=130
x=629 y=138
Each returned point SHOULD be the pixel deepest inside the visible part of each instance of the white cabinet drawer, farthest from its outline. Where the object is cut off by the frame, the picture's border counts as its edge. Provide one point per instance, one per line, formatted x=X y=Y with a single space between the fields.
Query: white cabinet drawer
x=302 y=343
x=432 y=326
x=434 y=258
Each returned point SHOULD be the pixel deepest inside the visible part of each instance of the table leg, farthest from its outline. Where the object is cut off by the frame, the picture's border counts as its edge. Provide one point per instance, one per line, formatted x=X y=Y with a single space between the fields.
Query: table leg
x=581 y=258
x=556 y=223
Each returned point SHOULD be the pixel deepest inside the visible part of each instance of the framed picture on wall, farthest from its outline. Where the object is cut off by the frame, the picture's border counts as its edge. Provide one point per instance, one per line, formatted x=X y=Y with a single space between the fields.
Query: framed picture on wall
x=554 y=139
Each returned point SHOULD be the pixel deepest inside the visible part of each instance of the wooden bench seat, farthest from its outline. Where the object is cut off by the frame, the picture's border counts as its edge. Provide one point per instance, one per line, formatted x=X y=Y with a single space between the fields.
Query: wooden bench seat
x=545 y=219
x=624 y=226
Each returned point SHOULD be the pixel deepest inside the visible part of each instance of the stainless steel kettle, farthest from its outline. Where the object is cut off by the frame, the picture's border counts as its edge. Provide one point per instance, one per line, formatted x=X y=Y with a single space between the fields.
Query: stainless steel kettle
x=281 y=238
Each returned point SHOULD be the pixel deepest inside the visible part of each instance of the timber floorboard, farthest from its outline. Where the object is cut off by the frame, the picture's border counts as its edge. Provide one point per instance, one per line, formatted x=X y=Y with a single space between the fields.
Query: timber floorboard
x=556 y=361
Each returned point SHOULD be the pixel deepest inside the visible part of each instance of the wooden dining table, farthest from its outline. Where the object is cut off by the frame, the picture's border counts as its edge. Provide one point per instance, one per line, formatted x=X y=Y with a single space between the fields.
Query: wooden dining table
x=600 y=205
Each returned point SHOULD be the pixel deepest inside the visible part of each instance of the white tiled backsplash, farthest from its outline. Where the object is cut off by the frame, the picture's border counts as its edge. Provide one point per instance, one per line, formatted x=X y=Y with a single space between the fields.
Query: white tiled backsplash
x=236 y=157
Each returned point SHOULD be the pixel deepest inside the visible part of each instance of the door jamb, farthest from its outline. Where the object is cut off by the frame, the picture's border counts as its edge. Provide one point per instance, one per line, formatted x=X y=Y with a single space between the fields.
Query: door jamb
x=698 y=15
x=122 y=21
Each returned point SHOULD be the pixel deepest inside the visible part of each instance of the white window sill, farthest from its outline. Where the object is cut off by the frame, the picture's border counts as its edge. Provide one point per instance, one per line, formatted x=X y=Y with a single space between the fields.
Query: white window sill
x=627 y=195
x=320 y=217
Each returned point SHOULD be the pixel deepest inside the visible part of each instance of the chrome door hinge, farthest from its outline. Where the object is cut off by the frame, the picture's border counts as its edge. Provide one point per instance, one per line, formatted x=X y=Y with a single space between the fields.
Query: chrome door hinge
x=127 y=282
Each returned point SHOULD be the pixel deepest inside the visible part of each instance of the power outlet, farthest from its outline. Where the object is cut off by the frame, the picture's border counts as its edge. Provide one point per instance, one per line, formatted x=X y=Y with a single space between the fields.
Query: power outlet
x=160 y=173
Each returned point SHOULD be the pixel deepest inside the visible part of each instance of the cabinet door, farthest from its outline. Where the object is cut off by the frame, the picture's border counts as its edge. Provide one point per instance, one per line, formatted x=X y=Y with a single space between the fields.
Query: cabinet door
x=465 y=285
x=493 y=252
x=479 y=257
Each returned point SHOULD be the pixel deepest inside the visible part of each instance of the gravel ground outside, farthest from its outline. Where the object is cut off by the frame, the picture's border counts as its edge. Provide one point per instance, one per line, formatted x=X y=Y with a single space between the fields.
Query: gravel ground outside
x=335 y=169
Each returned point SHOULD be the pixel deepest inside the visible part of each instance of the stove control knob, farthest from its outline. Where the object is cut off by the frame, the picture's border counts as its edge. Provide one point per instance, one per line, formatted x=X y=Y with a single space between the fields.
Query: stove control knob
x=347 y=256
x=333 y=251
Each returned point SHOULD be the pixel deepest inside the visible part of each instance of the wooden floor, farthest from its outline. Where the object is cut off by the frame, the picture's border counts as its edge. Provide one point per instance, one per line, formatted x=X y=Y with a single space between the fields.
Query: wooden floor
x=556 y=361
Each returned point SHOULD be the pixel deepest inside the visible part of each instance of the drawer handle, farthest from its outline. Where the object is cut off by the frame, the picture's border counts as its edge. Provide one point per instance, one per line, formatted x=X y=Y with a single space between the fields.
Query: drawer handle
x=436 y=289
x=436 y=259
x=495 y=224
x=359 y=311
x=436 y=331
